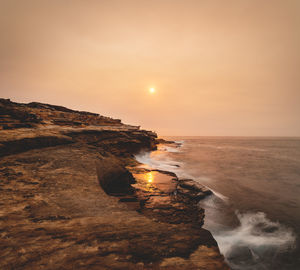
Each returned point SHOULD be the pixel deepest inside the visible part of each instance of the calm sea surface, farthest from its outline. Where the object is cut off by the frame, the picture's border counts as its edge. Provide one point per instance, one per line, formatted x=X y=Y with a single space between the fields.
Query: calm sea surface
x=254 y=213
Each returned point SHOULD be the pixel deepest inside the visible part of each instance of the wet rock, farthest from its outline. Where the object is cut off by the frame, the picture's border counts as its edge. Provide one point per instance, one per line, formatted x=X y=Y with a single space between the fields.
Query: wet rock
x=194 y=186
x=191 y=194
x=188 y=189
x=163 y=141
x=161 y=199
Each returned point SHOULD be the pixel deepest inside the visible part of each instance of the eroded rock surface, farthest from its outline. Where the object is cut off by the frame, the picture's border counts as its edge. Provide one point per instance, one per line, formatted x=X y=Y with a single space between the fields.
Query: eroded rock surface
x=113 y=177
x=55 y=215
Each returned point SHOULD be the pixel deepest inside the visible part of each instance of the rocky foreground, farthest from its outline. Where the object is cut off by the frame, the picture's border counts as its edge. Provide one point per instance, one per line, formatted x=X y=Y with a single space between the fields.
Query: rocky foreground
x=73 y=197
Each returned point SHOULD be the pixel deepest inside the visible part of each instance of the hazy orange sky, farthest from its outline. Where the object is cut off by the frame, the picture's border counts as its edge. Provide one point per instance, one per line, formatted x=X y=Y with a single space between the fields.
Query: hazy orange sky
x=219 y=67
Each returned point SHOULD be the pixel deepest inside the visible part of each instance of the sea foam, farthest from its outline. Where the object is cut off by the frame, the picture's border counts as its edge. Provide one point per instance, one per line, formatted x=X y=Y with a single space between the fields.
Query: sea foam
x=254 y=239
x=243 y=246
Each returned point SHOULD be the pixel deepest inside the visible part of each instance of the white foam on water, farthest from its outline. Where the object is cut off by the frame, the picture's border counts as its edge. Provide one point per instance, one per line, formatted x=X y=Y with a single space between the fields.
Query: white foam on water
x=219 y=195
x=256 y=233
x=245 y=246
x=180 y=142
x=159 y=163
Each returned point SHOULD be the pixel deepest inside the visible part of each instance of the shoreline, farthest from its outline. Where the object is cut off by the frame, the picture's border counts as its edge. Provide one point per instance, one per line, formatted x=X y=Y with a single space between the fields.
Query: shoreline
x=242 y=231
x=162 y=197
x=55 y=215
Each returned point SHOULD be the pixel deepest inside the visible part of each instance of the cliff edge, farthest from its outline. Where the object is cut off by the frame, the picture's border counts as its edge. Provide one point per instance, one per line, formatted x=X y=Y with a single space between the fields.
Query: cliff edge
x=61 y=210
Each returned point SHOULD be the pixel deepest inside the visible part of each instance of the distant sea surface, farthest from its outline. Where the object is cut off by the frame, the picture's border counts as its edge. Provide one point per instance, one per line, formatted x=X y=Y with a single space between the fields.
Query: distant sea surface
x=254 y=213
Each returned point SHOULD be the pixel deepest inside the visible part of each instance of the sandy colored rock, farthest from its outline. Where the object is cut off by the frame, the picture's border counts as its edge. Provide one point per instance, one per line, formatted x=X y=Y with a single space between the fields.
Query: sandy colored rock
x=55 y=215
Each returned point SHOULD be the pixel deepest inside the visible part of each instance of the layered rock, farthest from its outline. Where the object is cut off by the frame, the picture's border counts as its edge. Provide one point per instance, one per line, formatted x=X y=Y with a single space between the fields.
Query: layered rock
x=191 y=190
x=57 y=214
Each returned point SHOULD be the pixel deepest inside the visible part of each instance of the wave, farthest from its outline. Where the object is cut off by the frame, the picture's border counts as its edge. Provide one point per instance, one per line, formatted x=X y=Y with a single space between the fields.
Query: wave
x=219 y=195
x=254 y=240
x=161 y=162
x=181 y=142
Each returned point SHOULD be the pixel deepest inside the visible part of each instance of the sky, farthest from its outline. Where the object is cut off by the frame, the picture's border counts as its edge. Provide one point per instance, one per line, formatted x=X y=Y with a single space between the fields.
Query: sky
x=219 y=68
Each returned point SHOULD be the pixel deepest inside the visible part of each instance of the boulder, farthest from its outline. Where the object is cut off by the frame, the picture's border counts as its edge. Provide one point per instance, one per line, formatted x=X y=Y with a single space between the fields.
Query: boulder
x=113 y=177
x=194 y=186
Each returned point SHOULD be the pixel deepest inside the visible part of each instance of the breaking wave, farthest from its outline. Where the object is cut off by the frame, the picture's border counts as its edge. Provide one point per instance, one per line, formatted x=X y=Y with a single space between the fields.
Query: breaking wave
x=254 y=243
x=255 y=239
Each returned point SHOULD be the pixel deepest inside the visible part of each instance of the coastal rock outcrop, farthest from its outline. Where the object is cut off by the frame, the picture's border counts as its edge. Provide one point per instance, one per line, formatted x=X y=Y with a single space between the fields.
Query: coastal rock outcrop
x=192 y=190
x=55 y=215
x=113 y=177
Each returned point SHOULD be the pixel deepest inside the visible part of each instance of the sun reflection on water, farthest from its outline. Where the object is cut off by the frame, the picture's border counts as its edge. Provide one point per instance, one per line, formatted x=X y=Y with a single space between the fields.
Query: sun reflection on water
x=149 y=177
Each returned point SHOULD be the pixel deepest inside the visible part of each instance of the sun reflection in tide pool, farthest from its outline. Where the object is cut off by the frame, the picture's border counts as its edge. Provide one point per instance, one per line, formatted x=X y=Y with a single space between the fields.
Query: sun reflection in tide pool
x=149 y=177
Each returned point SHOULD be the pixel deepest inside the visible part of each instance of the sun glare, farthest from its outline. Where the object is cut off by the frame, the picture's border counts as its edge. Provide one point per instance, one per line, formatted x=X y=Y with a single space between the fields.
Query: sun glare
x=149 y=177
x=152 y=90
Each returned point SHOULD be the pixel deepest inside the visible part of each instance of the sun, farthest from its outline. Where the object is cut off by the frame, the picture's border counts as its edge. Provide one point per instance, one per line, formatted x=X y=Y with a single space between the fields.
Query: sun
x=152 y=90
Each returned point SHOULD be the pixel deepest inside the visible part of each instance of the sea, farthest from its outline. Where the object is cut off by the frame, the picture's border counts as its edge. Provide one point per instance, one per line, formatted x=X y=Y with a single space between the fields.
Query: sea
x=254 y=212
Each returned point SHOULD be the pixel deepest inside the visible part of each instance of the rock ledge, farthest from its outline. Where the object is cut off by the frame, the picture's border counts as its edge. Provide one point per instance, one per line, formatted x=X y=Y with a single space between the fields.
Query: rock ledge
x=55 y=215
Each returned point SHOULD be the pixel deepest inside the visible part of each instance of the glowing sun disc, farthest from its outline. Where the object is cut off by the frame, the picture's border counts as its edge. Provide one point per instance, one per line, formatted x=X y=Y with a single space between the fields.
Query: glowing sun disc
x=152 y=90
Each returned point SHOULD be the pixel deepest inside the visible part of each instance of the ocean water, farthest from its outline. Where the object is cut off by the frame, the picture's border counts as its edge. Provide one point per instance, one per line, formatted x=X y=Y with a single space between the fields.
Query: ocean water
x=254 y=212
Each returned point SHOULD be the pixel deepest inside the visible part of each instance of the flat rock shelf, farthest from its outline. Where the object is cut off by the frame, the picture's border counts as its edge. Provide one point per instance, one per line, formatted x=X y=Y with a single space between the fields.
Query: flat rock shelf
x=54 y=214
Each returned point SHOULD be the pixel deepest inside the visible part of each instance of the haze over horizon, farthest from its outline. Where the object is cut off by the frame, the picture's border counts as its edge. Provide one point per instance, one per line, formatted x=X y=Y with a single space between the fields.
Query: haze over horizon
x=222 y=68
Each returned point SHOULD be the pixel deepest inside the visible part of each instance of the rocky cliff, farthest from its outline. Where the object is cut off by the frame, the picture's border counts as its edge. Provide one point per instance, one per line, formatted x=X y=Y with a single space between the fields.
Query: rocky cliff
x=72 y=197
